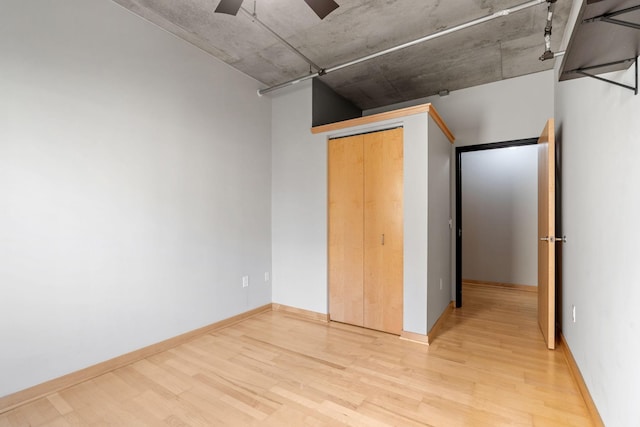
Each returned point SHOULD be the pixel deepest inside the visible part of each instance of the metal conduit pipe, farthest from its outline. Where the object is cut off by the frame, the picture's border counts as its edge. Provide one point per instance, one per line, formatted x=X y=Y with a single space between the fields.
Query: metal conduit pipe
x=432 y=36
x=254 y=18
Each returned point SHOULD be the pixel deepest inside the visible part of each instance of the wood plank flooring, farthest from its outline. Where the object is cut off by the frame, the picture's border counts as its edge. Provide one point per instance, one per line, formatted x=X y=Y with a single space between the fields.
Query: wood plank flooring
x=488 y=367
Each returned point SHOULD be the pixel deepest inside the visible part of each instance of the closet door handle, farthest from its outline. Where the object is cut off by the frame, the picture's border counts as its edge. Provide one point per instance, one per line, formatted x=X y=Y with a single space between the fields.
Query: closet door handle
x=382 y=239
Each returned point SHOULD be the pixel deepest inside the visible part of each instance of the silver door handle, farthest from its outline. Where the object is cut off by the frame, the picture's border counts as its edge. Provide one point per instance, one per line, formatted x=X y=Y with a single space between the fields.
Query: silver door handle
x=552 y=239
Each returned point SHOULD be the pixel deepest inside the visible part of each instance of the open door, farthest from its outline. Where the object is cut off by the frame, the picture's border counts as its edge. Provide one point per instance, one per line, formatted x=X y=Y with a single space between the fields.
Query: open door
x=546 y=233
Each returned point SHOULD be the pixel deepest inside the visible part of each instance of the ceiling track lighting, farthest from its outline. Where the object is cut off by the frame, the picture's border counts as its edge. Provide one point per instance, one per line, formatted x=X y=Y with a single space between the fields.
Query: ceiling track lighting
x=548 y=54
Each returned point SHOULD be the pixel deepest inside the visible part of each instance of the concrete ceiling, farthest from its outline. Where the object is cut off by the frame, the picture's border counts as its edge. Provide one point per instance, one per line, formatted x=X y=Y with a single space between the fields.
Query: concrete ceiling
x=502 y=48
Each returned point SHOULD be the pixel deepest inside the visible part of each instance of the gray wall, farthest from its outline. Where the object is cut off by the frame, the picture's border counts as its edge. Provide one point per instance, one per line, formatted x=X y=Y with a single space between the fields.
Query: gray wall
x=439 y=232
x=415 y=224
x=598 y=126
x=135 y=179
x=299 y=203
x=426 y=223
x=500 y=215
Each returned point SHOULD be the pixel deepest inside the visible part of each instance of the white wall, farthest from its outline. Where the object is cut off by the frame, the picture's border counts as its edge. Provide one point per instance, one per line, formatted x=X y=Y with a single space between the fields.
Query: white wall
x=598 y=129
x=500 y=215
x=134 y=188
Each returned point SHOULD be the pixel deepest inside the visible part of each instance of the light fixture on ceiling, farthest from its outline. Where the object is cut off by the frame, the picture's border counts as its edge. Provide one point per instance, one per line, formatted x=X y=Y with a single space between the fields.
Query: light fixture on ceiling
x=230 y=7
x=321 y=7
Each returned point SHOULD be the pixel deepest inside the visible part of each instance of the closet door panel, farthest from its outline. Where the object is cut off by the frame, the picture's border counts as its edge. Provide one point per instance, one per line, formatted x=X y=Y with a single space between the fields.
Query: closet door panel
x=383 y=230
x=346 y=228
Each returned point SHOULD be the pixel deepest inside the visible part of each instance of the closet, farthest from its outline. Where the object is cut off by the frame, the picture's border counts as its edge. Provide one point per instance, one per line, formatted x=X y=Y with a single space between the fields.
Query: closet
x=366 y=229
x=388 y=220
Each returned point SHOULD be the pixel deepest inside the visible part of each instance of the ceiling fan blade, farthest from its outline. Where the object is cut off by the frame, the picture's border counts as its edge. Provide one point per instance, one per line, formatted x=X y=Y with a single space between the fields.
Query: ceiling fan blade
x=230 y=7
x=322 y=7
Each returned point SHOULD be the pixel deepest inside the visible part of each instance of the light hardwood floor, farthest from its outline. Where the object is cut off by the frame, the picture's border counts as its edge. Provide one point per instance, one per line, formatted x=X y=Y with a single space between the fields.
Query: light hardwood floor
x=488 y=367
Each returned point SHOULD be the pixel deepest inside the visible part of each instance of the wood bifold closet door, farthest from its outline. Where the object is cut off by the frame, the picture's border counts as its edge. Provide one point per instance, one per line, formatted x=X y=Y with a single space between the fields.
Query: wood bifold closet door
x=366 y=230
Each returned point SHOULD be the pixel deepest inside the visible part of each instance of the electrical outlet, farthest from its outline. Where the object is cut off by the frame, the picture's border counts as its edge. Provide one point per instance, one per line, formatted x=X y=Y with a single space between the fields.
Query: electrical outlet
x=266 y=276
x=573 y=313
x=441 y=283
x=245 y=281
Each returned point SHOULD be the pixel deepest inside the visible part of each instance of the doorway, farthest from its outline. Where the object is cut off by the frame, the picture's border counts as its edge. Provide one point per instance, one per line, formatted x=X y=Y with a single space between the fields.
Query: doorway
x=484 y=238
